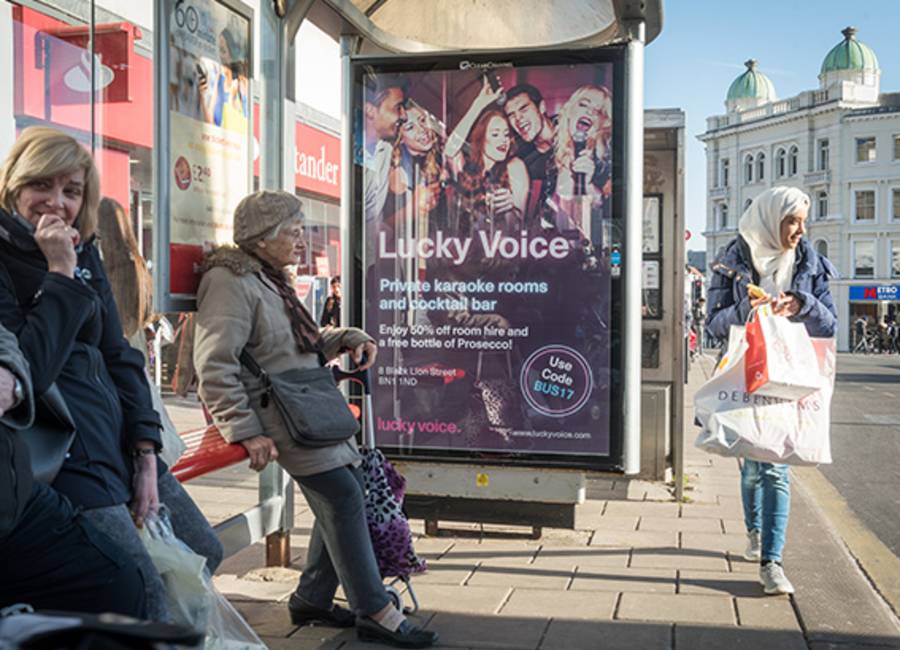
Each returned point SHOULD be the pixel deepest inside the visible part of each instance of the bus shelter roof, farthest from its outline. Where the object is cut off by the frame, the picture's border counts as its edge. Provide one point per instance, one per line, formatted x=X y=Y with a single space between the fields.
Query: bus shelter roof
x=435 y=26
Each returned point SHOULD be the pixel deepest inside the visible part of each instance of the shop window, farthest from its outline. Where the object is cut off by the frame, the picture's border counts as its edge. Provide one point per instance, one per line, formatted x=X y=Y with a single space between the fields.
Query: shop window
x=822 y=248
x=822 y=154
x=748 y=168
x=822 y=204
x=895 y=259
x=864 y=259
x=760 y=166
x=865 y=205
x=865 y=150
x=793 y=160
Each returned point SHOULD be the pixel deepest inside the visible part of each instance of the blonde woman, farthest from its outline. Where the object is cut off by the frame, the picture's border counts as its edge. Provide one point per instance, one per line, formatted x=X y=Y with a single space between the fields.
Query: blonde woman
x=60 y=307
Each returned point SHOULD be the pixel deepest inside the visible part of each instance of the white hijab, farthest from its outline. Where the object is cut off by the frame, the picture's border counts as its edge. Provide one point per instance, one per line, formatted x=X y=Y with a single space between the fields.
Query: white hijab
x=760 y=226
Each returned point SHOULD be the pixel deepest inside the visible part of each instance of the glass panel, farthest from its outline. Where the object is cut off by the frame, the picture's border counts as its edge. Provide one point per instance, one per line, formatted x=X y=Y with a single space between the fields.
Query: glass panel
x=822 y=205
x=895 y=259
x=897 y=147
x=823 y=154
x=864 y=259
x=865 y=149
x=865 y=205
x=895 y=203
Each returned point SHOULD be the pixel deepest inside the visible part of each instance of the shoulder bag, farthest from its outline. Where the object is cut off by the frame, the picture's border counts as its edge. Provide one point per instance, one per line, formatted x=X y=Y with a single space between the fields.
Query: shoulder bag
x=313 y=409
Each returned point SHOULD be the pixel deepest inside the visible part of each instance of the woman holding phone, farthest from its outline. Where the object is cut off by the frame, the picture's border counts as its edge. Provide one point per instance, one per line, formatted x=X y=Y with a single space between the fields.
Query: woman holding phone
x=770 y=252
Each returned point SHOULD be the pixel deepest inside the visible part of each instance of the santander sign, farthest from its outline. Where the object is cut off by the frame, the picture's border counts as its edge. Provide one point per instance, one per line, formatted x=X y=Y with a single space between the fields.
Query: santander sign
x=317 y=163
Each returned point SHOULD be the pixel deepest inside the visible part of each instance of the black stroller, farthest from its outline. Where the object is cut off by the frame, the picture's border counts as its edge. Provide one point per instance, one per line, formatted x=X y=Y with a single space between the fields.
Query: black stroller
x=385 y=489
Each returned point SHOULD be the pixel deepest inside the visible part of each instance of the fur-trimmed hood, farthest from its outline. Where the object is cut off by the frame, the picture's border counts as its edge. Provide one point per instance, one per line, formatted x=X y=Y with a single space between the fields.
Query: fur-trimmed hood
x=235 y=259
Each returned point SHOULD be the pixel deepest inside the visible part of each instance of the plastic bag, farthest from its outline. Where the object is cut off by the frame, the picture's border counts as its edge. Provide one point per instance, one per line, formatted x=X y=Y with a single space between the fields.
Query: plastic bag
x=191 y=596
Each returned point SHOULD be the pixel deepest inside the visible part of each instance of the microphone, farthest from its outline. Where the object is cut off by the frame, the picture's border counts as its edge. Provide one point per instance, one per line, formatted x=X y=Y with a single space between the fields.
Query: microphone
x=579 y=138
x=494 y=83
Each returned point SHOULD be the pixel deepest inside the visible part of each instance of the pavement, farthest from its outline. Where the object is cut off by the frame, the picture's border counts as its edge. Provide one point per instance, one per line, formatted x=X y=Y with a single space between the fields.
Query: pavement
x=640 y=571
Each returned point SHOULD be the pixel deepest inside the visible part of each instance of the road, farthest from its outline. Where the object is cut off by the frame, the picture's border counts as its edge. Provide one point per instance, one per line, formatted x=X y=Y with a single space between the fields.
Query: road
x=865 y=438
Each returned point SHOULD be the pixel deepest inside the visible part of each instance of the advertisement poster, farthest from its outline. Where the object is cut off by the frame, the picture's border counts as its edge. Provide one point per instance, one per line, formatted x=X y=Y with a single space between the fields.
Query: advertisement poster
x=209 y=141
x=487 y=203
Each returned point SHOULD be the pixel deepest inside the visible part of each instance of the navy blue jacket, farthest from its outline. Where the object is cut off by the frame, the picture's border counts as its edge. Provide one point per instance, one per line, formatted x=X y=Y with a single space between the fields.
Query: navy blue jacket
x=729 y=303
x=69 y=331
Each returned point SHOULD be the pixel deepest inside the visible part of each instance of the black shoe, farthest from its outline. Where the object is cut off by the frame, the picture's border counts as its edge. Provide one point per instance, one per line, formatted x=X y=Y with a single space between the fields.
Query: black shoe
x=302 y=613
x=406 y=636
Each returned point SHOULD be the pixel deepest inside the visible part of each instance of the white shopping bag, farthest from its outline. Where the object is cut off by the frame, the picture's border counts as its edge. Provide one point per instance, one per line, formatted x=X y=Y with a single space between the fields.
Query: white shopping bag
x=738 y=423
x=780 y=360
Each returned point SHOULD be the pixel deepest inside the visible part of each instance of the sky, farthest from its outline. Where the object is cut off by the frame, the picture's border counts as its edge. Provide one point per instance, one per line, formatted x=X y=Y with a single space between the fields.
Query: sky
x=704 y=43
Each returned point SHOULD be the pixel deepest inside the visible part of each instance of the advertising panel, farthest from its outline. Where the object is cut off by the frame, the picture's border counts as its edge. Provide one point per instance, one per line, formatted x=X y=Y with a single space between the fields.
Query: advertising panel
x=209 y=130
x=490 y=205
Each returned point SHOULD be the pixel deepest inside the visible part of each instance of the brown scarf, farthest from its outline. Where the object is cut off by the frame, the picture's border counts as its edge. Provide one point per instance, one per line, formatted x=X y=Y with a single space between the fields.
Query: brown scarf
x=305 y=330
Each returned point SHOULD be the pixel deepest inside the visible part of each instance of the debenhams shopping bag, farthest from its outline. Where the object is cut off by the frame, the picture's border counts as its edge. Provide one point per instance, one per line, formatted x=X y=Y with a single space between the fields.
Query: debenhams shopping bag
x=735 y=422
x=780 y=359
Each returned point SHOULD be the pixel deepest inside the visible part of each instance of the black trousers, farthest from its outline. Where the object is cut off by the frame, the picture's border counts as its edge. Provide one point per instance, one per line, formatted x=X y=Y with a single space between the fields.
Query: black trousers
x=55 y=559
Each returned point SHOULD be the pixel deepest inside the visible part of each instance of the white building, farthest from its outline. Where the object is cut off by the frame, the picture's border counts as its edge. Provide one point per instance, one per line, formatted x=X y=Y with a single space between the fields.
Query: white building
x=840 y=144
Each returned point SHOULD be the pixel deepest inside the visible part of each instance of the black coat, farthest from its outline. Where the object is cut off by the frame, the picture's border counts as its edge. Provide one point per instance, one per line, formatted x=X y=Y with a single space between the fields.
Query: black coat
x=69 y=331
x=15 y=469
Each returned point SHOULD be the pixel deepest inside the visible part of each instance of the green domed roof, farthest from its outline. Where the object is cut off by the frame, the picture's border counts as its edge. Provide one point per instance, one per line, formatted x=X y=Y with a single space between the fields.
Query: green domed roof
x=850 y=54
x=752 y=84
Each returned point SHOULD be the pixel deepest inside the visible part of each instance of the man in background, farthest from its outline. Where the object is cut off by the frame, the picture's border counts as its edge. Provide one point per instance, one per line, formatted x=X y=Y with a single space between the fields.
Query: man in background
x=331 y=312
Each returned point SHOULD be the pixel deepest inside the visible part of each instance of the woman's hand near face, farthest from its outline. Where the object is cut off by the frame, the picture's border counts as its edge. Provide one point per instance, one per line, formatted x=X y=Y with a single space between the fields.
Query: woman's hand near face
x=57 y=242
x=366 y=350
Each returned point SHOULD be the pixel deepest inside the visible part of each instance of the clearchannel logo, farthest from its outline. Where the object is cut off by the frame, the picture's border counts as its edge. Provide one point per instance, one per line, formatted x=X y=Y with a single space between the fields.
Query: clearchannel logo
x=484 y=65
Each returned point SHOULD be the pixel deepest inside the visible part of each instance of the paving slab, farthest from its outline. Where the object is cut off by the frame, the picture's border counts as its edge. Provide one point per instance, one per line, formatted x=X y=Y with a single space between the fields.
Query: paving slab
x=615 y=635
x=613 y=522
x=488 y=631
x=544 y=603
x=237 y=589
x=583 y=556
x=692 y=637
x=520 y=553
x=642 y=509
x=497 y=575
x=734 y=526
x=636 y=538
x=617 y=579
x=677 y=558
x=445 y=572
x=266 y=619
x=719 y=583
x=714 y=542
x=694 y=510
x=713 y=526
x=468 y=599
x=767 y=611
x=677 y=608
x=740 y=564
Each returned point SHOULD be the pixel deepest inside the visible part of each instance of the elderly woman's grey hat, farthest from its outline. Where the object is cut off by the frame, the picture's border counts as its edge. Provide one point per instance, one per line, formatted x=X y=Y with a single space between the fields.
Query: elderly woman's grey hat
x=262 y=211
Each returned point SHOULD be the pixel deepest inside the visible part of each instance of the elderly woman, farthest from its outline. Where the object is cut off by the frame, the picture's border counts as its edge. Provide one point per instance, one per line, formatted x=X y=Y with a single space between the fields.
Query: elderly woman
x=770 y=251
x=246 y=302
x=59 y=305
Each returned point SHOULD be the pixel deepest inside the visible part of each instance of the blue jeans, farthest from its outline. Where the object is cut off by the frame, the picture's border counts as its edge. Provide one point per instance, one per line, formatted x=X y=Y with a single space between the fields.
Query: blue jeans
x=340 y=549
x=766 y=493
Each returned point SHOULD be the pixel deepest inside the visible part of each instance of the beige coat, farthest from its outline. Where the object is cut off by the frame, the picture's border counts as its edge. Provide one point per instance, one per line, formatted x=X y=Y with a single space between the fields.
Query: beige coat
x=237 y=307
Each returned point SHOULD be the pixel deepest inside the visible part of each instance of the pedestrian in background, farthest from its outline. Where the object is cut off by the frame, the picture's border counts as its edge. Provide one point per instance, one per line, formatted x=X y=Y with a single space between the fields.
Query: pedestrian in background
x=331 y=312
x=770 y=251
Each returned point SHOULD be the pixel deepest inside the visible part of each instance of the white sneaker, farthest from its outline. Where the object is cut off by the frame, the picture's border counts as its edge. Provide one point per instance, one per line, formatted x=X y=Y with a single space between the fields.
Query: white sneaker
x=754 y=546
x=773 y=580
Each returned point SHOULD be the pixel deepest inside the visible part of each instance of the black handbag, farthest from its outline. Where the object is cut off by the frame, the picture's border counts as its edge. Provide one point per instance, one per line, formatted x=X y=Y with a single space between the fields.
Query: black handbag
x=313 y=409
x=50 y=436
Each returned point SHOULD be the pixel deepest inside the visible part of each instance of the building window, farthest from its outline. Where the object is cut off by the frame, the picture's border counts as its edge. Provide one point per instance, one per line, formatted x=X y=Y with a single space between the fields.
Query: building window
x=864 y=259
x=895 y=203
x=822 y=154
x=865 y=205
x=723 y=216
x=865 y=150
x=895 y=259
x=897 y=147
x=760 y=166
x=723 y=172
x=748 y=168
x=780 y=163
x=822 y=204
x=822 y=248
x=793 y=160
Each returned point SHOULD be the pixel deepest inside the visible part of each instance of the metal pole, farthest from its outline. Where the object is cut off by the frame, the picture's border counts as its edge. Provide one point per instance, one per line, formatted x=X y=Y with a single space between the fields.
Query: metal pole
x=349 y=234
x=634 y=160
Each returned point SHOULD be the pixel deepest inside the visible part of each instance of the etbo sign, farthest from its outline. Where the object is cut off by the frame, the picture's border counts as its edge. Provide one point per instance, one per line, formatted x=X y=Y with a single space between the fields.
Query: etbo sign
x=876 y=292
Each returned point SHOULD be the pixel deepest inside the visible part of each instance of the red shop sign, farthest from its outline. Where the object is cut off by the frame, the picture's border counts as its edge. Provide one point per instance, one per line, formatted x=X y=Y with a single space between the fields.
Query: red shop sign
x=317 y=163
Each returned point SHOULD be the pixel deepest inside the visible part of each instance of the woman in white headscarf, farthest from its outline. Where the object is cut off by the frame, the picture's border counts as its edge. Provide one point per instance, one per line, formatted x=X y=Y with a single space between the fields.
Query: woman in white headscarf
x=771 y=252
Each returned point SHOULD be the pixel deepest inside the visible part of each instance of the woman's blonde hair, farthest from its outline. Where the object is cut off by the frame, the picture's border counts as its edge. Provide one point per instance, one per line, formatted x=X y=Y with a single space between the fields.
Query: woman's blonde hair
x=129 y=277
x=598 y=140
x=41 y=152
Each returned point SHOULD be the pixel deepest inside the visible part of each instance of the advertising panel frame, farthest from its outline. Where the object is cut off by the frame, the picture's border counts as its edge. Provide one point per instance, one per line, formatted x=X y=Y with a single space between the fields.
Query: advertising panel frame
x=615 y=56
x=163 y=298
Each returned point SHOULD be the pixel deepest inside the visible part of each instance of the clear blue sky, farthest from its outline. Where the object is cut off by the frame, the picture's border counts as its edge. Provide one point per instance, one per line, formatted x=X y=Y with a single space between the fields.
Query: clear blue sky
x=703 y=46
